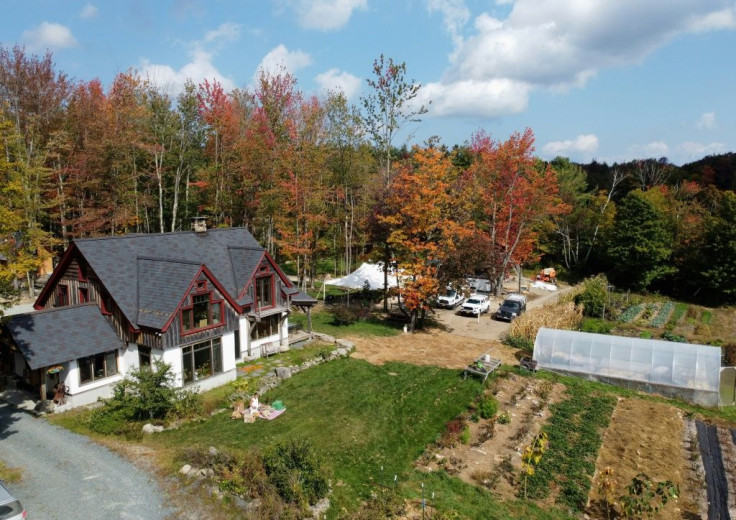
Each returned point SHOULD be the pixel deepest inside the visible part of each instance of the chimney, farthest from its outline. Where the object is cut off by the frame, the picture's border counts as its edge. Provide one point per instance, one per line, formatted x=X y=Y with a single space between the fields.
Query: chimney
x=199 y=224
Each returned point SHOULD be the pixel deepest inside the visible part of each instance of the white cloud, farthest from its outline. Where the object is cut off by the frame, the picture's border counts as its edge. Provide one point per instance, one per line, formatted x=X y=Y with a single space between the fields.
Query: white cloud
x=561 y=44
x=198 y=69
x=583 y=144
x=280 y=58
x=88 y=11
x=455 y=14
x=48 y=36
x=690 y=151
x=655 y=149
x=326 y=15
x=228 y=31
x=707 y=121
x=334 y=79
x=492 y=98
x=200 y=66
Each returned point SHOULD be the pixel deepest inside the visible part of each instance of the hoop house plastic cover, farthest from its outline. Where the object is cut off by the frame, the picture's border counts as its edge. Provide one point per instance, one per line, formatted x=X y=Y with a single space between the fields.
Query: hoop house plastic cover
x=683 y=370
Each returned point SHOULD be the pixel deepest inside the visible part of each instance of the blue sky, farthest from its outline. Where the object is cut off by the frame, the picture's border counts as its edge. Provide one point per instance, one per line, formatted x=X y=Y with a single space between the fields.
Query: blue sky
x=610 y=80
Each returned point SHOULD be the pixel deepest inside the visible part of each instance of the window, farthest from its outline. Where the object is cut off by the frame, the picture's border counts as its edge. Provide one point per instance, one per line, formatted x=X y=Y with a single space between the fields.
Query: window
x=144 y=356
x=99 y=366
x=201 y=360
x=268 y=326
x=107 y=304
x=62 y=295
x=83 y=295
x=263 y=292
x=82 y=274
x=237 y=344
x=203 y=312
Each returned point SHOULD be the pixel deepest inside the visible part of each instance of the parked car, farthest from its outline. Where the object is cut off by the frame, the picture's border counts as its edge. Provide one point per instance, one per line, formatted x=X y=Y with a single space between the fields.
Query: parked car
x=450 y=299
x=476 y=304
x=10 y=507
x=512 y=307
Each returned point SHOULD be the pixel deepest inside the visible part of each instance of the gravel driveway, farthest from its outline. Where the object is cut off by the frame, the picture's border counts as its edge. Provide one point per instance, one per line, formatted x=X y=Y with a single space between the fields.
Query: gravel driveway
x=68 y=477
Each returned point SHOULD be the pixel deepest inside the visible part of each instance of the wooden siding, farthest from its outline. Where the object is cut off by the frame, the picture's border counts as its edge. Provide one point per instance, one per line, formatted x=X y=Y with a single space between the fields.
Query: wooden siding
x=95 y=291
x=174 y=336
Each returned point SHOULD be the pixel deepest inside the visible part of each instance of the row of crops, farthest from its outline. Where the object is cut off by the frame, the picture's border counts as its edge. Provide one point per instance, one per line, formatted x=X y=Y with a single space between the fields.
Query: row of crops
x=658 y=314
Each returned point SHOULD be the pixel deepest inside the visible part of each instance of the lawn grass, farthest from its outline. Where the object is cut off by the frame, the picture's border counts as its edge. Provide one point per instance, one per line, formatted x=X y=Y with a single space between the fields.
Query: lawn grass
x=358 y=416
x=322 y=322
x=10 y=475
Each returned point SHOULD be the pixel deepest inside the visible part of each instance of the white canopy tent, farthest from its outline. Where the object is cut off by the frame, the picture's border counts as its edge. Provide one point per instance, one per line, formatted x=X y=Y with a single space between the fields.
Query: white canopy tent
x=371 y=273
x=673 y=369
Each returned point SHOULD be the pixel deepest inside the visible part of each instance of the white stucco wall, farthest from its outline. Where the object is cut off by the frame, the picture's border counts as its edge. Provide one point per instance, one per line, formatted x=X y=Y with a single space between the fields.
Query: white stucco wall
x=173 y=357
x=88 y=393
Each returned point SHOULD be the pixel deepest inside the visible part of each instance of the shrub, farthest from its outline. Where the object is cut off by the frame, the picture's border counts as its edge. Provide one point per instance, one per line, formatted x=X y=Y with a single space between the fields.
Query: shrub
x=488 y=407
x=594 y=296
x=645 y=334
x=519 y=342
x=729 y=354
x=296 y=471
x=343 y=315
x=465 y=435
x=146 y=393
x=504 y=418
x=596 y=326
x=671 y=336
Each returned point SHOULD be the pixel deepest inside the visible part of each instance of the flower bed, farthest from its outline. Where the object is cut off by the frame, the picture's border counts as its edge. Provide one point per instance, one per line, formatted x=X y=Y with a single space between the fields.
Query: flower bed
x=663 y=315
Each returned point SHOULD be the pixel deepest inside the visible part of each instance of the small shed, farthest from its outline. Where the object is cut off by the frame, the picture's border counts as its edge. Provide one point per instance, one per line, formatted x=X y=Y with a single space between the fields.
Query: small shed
x=684 y=370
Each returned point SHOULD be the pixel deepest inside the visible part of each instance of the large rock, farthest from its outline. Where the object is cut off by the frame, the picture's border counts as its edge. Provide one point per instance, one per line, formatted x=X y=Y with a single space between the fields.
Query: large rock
x=283 y=372
x=185 y=469
x=152 y=428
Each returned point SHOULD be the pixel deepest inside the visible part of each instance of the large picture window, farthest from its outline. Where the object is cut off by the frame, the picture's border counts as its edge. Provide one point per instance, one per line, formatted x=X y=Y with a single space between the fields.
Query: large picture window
x=268 y=326
x=203 y=311
x=99 y=366
x=264 y=294
x=201 y=360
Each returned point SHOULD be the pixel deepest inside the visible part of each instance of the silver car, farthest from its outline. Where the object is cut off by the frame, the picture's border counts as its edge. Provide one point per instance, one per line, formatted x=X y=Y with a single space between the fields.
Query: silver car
x=10 y=507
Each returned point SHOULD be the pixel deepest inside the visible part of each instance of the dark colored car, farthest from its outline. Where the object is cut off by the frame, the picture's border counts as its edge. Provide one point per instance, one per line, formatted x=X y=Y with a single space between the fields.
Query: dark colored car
x=512 y=307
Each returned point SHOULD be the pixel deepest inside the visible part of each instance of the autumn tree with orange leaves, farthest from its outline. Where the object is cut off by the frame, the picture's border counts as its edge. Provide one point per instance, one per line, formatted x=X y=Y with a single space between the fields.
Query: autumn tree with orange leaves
x=515 y=196
x=423 y=229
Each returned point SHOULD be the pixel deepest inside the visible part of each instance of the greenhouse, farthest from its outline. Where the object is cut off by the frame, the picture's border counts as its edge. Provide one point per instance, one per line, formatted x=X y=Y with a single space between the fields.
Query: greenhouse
x=690 y=372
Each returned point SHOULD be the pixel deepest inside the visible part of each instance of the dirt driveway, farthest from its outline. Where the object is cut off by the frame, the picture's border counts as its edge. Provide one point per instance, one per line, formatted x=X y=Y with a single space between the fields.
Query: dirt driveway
x=457 y=341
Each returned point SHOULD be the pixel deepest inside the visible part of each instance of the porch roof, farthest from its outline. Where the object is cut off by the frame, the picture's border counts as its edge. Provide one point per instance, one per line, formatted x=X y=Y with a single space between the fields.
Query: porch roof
x=61 y=334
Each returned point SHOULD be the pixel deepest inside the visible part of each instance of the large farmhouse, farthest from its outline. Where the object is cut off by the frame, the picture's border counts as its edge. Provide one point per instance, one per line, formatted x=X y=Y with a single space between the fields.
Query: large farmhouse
x=200 y=301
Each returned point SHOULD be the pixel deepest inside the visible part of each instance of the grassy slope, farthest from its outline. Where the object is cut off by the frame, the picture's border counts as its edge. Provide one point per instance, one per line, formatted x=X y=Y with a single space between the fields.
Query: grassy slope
x=362 y=417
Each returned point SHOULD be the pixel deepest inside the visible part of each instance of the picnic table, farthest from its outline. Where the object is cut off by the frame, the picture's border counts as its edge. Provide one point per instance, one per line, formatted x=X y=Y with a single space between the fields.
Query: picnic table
x=483 y=366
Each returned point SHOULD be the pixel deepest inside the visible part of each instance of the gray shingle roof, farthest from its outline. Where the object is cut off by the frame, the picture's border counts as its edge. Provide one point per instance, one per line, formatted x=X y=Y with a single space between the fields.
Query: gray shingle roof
x=57 y=335
x=161 y=286
x=113 y=259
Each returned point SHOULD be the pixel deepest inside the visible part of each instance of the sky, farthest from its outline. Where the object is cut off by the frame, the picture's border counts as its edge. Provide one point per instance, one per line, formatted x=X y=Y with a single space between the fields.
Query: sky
x=604 y=80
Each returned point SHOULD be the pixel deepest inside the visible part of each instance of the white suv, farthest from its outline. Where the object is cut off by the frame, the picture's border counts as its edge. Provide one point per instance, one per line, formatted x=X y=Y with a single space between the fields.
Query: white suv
x=476 y=304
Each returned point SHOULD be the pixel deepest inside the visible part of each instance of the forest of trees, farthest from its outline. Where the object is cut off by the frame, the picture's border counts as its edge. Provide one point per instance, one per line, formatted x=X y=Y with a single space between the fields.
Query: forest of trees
x=324 y=184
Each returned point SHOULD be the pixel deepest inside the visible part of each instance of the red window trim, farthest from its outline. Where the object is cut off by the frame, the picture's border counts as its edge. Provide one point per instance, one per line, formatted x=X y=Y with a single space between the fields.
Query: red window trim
x=103 y=305
x=83 y=291
x=273 y=295
x=80 y=274
x=189 y=307
x=62 y=290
